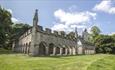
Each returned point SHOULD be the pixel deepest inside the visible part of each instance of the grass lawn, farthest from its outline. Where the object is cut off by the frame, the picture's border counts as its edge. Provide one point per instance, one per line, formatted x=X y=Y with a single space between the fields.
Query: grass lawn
x=83 y=62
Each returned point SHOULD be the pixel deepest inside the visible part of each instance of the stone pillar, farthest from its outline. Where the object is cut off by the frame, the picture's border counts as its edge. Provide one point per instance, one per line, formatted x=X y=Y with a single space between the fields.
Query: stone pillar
x=66 y=51
x=70 y=51
x=24 y=49
x=88 y=51
x=73 y=51
x=61 y=51
x=13 y=46
x=47 y=51
x=54 y=51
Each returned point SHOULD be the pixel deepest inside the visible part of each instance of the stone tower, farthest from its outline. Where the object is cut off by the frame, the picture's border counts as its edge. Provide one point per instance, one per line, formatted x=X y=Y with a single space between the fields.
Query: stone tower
x=34 y=34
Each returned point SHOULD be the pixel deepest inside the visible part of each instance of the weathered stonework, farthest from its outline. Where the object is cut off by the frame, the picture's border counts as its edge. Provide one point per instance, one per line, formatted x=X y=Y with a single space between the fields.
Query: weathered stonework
x=39 y=42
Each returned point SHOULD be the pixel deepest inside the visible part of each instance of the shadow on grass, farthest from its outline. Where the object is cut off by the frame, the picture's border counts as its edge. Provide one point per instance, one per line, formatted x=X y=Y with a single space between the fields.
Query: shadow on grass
x=57 y=56
x=4 y=51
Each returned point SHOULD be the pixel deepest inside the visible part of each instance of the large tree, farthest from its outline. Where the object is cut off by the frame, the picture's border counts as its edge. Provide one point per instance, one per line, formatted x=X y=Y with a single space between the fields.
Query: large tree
x=105 y=44
x=5 y=27
x=19 y=29
x=9 y=31
x=95 y=31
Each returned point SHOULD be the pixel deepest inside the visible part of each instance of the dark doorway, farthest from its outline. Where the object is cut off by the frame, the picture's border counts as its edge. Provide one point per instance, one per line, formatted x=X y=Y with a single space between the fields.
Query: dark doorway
x=42 y=49
x=51 y=45
x=63 y=51
x=29 y=47
x=57 y=50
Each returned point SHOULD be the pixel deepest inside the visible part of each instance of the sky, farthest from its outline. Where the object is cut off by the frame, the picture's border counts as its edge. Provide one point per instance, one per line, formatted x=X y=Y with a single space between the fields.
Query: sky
x=65 y=15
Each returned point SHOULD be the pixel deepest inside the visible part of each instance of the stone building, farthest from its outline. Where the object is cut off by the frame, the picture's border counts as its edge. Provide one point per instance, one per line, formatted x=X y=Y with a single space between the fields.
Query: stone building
x=39 y=42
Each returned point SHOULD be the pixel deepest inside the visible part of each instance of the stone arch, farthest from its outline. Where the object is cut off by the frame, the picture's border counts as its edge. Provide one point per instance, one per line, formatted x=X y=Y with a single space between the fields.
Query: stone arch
x=63 y=50
x=42 y=48
x=51 y=46
x=29 y=47
x=57 y=50
x=26 y=47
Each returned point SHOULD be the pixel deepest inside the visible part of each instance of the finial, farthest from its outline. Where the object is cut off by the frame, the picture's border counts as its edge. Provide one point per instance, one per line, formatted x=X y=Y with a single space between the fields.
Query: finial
x=85 y=30
x=36 y=10
x=35 y=19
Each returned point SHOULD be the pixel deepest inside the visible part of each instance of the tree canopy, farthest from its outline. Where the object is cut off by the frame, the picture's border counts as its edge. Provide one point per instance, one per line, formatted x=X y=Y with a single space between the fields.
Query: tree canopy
x=9 y=31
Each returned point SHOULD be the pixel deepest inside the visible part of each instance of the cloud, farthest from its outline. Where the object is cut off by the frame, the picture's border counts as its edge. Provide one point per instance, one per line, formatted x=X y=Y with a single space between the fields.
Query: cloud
x=111 y=33
x=14 y=20
x=67 y=21
x=9 y=10
x=75 y=17
x=105 y=6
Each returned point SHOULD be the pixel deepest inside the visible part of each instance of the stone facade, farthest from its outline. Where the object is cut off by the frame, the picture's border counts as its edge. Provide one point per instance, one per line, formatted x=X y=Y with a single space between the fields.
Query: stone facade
x=39 y=42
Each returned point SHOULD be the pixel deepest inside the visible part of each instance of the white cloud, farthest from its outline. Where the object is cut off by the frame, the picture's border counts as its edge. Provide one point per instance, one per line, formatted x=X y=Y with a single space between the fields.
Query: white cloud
x=59 y=27
x=9 y=10
x=69 y=20
x=75 y=17
x=111 y=33
x=14 y=20
x=105 y=6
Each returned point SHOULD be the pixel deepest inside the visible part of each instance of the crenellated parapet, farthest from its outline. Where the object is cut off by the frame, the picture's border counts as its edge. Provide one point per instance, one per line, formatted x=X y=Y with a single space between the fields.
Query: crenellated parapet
x=61 y=34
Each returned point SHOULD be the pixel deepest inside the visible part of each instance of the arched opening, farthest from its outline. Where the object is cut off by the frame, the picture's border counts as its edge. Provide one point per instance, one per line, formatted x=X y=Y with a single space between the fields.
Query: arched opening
x=51 y=46
x=29 y=47
x=42 y=48
x=26 y=48
x=63 y=51
x=57 y=50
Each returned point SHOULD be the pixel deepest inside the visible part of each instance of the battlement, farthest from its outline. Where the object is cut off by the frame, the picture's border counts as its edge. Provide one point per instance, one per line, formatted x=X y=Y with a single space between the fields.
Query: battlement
x=48 y=31
x=61 y=34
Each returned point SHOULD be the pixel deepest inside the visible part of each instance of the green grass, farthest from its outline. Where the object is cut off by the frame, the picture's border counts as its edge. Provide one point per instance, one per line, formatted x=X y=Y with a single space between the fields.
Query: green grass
x=83 y=62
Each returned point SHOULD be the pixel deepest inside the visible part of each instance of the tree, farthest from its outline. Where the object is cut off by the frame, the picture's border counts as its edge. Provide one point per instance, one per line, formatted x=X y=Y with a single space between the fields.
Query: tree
x=95 y=31
x=9 y=31
x=5 y=27
x=19 y=29
x=104 y=44
x=71 y=35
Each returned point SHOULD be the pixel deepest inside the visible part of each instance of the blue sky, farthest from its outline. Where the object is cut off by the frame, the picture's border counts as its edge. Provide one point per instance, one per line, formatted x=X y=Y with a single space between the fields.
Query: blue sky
x=65 y=14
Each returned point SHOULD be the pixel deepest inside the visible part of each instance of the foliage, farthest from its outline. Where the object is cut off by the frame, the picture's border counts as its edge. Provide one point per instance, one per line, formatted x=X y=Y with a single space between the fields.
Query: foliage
x=8 y=30
x=71 y=35
x=5 y=27
x=105 y=44
x=19 y=29
x=95 y=31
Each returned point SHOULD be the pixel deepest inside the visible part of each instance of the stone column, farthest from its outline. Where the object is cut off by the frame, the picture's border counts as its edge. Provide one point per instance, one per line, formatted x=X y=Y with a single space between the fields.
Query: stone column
x=88 y=51
x=66 y=51
x=47 y=50
x=61 y=51
x=73 y=51
x=70 y=51
x=54 y=51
